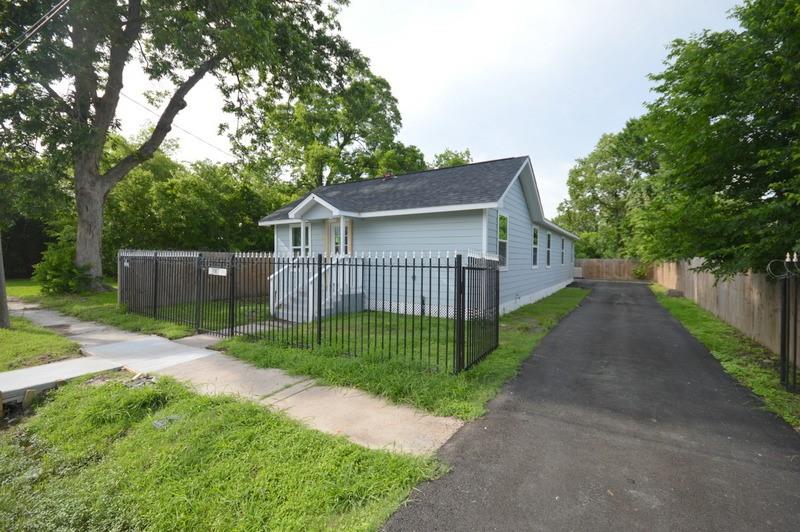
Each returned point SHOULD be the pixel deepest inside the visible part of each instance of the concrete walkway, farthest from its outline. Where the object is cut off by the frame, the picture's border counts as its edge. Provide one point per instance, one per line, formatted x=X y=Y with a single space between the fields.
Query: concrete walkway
x=621 y=420
x=362 y=418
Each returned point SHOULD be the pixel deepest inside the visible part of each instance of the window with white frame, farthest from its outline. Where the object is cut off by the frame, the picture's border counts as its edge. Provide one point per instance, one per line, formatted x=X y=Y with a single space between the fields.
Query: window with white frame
x=297 y=242
x=535 y=247
x=549 y=247
x=562 y=250
x=502 y=239
x=336 y=239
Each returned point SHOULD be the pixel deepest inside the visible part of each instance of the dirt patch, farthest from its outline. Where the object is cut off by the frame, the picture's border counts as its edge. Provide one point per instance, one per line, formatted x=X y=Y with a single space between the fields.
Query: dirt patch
x=107 y=376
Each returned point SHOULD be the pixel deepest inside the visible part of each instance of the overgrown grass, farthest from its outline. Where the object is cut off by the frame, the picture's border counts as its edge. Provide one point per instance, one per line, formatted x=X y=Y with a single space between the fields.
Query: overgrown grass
x=748 y=362
x=463 y=395
x=159 y=457
x=26 y=344
x=100 y=307
x=23 y=288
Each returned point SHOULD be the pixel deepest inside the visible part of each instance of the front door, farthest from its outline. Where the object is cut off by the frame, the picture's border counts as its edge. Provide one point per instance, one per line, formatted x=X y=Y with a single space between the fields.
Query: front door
x=335 y=244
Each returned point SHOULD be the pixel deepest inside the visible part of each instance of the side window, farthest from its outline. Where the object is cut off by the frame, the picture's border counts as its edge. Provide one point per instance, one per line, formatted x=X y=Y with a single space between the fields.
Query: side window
x=535 y=247
x=297 y=241
x=549 y=247
x=502 y=239
x=562 y=250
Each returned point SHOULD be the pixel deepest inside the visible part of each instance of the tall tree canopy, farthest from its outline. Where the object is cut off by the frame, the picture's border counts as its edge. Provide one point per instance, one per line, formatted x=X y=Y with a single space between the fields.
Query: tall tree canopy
x=727 y=121
x=59 y=92
x=713 y=169
x=324 y=136
x=604 y=188
x=451 y=158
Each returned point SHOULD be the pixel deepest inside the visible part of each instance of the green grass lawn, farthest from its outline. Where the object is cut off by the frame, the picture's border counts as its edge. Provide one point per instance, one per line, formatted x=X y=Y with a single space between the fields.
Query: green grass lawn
x=748 y=362
x=463 y=395
x=159 y=457
x=100 y=307
x=26 y=344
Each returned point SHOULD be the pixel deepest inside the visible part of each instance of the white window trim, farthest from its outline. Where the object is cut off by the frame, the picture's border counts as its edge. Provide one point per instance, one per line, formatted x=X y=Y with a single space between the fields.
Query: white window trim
x=508 y=231
x=535 y=248
x=563 y=249
x=292 y=247
x=548 y=259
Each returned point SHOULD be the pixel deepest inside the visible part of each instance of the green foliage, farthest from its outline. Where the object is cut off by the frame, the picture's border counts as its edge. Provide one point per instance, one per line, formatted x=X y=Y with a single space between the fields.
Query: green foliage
x=91 y=458
x=26 y=344
x=165 y=205
x=57 y=272
x=464 y=395
x=604 y=188
x=640 y=271
x=331 y=135
x=450 y=157
x=749 y=363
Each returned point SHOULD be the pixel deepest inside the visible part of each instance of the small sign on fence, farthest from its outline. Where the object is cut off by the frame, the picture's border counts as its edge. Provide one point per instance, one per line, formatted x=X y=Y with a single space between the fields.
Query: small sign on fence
x=127 y=264
x=222 y=272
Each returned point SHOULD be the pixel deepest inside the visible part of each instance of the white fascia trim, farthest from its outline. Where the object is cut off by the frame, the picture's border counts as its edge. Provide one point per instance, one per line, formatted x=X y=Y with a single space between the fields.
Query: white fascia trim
x=379 y=214
x=269 y=223
x=424 y=210
x=511 y=183
x=309 y=199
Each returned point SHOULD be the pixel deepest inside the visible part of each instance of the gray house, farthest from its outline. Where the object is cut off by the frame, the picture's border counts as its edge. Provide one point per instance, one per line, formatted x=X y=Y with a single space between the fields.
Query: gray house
x=489 y=208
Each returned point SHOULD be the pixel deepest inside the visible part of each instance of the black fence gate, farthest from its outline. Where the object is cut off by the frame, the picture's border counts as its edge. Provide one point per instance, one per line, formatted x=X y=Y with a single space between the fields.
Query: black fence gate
x=440 y=311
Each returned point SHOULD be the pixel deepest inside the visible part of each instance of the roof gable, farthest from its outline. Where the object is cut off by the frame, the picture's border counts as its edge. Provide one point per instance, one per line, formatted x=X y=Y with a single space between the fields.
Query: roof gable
x=471 y=184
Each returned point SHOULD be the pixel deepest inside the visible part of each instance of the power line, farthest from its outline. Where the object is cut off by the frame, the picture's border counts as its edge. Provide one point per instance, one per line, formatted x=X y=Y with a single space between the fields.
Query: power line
x=52 y=13
x=33 y=30
x=176 y=126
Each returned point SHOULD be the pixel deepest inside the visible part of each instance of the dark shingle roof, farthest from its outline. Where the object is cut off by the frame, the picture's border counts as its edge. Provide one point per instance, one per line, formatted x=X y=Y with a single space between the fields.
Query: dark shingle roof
x=482 y=182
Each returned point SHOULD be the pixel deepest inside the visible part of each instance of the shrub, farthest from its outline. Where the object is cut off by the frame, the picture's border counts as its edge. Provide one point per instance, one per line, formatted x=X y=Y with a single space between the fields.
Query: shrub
x=640 y=271
x=57 y=272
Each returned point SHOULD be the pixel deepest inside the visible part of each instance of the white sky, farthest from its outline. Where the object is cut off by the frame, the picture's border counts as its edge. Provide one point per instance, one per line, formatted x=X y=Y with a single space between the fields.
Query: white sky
x=502 y=77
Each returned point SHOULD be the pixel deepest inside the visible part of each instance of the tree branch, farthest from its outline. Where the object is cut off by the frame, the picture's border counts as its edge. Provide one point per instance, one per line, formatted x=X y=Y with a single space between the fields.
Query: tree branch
x=120 y=49
x=163 y=127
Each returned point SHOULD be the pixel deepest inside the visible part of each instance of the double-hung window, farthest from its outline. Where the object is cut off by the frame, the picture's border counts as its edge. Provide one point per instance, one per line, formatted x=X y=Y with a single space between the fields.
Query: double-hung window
x=297 y=241
x=549 y=247
x=535 y=247
x=562 y=250
x=502 y=239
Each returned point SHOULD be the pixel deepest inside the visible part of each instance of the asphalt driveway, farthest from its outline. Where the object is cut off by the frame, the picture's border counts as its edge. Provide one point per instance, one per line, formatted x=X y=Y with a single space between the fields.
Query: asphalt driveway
x=621 y=420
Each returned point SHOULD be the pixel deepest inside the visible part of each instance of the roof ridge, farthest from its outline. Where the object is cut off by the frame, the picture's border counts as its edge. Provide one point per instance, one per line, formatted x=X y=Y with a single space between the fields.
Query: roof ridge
x=323 y=187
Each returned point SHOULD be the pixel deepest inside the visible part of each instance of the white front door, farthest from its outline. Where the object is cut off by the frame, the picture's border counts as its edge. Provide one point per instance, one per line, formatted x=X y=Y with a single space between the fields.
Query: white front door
x=335 y=244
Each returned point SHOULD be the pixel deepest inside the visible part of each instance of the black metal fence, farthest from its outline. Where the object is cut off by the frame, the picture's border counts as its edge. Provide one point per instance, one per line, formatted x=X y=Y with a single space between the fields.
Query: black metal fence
x=440 y=311
x=789 y=332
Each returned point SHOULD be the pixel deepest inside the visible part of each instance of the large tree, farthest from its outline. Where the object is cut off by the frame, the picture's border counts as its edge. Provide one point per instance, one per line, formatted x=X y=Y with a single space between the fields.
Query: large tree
x=328 y=135
x=63 y=86
x=727 y=124
x=605 y=187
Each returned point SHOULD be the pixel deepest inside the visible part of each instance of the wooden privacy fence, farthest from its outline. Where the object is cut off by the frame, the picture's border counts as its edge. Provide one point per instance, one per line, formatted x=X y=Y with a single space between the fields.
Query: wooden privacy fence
x=750 y=302
x=609 y=269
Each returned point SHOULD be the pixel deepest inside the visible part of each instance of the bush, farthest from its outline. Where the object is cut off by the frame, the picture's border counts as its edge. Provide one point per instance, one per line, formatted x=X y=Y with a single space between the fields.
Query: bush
x=57 y=272
x=640 y=271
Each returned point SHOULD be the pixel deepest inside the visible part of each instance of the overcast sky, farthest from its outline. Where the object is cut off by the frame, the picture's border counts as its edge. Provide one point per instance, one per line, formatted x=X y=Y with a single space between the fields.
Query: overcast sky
x=502 y=78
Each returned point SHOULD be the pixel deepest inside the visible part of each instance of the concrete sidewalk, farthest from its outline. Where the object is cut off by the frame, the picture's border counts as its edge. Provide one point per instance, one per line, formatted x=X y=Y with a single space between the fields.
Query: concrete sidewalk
x=362 y=418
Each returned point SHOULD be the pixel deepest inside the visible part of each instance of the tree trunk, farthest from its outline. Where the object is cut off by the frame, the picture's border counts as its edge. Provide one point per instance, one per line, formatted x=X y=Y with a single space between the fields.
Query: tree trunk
x=5 y=322
x=90 y=197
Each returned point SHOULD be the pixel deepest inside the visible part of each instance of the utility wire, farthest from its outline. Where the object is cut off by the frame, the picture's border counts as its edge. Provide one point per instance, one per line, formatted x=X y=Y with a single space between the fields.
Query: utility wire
x=33 y=30
x=176 y=126
x=52 y=13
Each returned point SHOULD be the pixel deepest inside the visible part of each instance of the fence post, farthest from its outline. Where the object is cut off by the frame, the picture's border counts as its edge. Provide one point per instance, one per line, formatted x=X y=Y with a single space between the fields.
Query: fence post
x=458 y=354
x=232 y=295
x=198 y=293
x=119 y=279
x=155 y=284
x=319 y=298
x=496 y=271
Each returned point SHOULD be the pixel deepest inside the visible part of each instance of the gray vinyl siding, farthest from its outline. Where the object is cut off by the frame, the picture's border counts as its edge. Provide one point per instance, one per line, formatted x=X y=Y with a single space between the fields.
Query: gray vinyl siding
x=520 y=279
x=444 y=231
